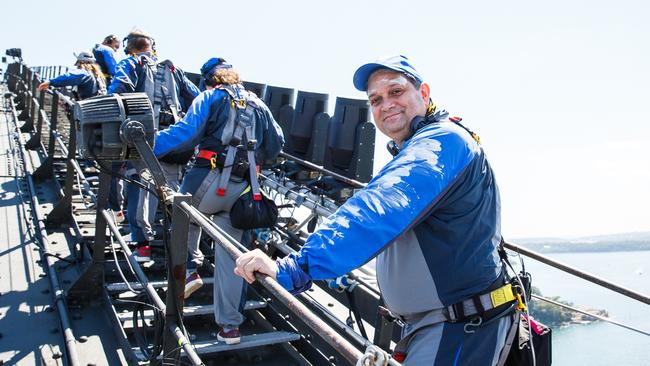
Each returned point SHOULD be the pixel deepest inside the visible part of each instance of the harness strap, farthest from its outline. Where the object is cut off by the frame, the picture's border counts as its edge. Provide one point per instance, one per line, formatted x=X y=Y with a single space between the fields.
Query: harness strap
x=489 y=301
x=243 y=112
x=165 y=90
x=509 y=340
x=206 y=154
x=465 y=309
x=230 y=159
x=252 y=169
x=101 y=85
x=481 y=303
x=209 y=155
x=457 y=120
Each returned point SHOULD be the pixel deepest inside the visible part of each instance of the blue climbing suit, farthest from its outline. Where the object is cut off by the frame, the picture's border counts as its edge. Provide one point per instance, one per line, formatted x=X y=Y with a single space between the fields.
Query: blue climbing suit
x=431 y=217
x=136 y=73
x=208 y=125
x=105 y=57
x=86 y=83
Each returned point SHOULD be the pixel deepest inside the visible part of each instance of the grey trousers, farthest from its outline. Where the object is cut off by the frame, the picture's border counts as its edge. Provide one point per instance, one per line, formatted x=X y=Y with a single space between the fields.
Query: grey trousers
x=228 y=288
x=148 y=203
x=173 y=174
x=447 y=344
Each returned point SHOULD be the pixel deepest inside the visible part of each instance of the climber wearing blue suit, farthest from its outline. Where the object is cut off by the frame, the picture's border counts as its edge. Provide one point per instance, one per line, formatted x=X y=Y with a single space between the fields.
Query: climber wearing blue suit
x=87 y=78
x=170 y=93
x=431 y=217
x=210 y=124
x=105 y=55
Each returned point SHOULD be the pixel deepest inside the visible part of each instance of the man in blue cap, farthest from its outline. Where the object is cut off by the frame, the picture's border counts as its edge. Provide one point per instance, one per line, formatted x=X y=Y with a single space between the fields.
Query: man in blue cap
x=431 y=217
x=214 y=124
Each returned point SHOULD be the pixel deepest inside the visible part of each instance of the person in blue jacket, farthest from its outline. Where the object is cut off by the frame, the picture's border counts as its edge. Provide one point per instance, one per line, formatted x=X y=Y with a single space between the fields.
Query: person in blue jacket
x=209 y=124
x=431 y=218
x=87 y=78
x=170 y=93
x=105 y=55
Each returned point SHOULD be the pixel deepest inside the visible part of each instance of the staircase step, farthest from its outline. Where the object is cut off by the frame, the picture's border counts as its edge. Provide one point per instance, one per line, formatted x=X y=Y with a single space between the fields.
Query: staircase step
x=188 y=311
x=121 y=287
x=205 y=348
x=247 y=341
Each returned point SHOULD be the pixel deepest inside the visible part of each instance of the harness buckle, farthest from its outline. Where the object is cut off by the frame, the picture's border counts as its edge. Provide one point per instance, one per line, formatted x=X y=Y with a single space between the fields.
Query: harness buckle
x=250 y=145
x=454 y=313
x=238 y=103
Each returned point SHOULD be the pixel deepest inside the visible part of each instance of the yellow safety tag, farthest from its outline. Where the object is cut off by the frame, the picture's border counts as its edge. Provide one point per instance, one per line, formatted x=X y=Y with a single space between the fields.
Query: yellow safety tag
x=502 y=295
x=245 y=190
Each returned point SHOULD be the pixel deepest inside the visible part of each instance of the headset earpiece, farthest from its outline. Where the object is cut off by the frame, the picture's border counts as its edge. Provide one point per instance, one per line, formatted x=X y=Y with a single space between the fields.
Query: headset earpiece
x=418 y=122
x=392 y=148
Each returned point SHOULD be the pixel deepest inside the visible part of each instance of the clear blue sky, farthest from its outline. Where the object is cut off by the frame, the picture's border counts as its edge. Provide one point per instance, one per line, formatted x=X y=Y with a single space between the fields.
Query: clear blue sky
x=557 y=90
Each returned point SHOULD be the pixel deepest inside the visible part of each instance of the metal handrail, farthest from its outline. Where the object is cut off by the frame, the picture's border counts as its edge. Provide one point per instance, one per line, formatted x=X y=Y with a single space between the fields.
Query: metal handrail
x=234 y=249
x=578 y=273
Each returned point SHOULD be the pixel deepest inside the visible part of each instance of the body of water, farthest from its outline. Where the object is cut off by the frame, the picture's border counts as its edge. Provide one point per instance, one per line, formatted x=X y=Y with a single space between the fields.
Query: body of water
x=599 y=343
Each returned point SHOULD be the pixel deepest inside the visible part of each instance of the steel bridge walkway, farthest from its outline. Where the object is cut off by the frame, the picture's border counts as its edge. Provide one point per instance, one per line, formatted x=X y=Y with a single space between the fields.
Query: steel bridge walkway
x=30 y=333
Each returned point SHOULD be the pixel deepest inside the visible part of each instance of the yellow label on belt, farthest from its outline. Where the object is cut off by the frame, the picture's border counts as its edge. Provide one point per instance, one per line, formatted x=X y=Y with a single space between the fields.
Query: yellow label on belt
x=502 y=295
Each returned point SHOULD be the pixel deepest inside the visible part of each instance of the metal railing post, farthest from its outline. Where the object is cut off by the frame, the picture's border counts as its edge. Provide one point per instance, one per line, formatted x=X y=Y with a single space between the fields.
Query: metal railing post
x=26 y=102
x=91 y=282
x=34 y=142
x=20 y=87
x=176 y=254
x=62 y=211
x=46 y=170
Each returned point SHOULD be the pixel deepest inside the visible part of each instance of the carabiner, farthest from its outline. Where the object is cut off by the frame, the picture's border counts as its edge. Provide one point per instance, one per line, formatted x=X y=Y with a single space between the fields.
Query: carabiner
x=476 y=323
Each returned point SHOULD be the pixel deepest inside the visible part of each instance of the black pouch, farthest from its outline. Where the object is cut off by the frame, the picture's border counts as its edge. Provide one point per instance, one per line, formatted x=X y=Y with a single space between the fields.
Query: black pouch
x=520 y=353
x=247 y=213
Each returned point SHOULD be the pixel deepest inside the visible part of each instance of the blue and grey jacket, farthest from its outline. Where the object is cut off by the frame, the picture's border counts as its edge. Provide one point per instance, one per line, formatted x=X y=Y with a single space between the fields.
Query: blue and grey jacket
x=208 y=125
x=133 y=75
x=86 y=83
x=105 y=57
x=431 y=217
x=138 y=73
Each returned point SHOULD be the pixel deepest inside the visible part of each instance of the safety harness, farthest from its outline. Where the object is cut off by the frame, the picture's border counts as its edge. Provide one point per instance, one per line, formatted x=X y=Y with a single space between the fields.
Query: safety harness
x=158 y=81
x=243 y=117
x=101 y=85
x=165 y=99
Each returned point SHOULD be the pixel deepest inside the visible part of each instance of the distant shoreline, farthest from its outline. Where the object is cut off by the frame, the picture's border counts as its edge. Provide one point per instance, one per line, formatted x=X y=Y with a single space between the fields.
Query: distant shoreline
x=577 y=247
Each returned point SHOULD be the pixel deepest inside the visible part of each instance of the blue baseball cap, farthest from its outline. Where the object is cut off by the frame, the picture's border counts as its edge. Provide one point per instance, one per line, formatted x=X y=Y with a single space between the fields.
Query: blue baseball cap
x=396 y=63
x=212 y=64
